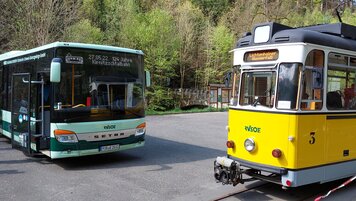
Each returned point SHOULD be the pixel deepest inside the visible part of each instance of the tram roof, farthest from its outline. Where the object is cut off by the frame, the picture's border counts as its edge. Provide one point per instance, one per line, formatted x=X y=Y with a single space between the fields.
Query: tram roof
x=338 y=35
x=14 y=54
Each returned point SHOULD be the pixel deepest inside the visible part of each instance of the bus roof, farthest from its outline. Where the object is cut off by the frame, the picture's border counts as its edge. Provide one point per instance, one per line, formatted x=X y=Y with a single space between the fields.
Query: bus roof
x=10 y=54
x=338 y=35
x=13 y=54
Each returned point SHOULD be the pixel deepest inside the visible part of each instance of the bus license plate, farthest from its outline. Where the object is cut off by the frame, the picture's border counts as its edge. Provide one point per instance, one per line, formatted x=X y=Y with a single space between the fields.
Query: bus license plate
x=109 y=147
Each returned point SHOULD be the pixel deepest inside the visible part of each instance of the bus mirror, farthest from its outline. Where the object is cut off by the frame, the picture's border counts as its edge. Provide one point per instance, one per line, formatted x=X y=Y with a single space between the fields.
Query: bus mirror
x=148 y=78
x=317 y=78
x=55 y=74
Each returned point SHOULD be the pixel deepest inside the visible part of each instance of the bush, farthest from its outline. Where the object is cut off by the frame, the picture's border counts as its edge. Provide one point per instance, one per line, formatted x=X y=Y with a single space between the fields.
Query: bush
x=160 y=99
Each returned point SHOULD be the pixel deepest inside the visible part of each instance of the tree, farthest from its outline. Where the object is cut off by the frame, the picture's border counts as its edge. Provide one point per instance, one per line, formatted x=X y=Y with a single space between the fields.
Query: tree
x=212 y=8
x=154 y=33
x=190 y=24
x=219 y=59
x=38 y=22
x=5 y=24
x=83 y=32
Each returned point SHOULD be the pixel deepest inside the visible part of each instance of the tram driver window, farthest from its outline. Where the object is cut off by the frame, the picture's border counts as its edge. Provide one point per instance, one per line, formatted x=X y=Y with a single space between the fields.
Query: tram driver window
x=287 y=89
x=341 y=82
x=312 y=81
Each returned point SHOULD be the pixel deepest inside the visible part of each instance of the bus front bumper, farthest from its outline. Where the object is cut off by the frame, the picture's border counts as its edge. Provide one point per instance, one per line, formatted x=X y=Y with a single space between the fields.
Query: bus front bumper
x=101 y=150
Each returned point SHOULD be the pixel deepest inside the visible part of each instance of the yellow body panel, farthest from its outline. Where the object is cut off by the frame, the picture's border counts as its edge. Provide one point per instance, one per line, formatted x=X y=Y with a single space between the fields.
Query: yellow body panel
x=306 y=140
x=272 y=132
x=341 y=137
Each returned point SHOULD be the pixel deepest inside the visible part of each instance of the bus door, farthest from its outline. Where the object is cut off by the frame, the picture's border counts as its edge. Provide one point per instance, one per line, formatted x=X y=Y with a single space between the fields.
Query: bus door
x=43 y=110
x=20 y=111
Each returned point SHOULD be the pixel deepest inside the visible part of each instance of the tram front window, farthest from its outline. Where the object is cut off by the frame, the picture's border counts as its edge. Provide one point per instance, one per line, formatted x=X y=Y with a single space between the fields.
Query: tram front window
x=258 y=88
x=287 y=90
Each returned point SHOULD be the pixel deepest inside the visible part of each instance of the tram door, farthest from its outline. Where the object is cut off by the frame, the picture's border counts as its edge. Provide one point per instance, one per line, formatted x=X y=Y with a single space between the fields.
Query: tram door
x=20 y=112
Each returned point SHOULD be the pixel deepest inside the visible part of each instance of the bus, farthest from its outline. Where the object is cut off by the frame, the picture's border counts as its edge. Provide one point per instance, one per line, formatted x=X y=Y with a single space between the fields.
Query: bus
x=292 y=120
x=72 y=99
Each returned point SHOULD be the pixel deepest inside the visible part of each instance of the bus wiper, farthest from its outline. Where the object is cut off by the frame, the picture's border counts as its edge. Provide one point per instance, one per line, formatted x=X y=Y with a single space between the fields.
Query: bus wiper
x=133 y=113
x=74 y=118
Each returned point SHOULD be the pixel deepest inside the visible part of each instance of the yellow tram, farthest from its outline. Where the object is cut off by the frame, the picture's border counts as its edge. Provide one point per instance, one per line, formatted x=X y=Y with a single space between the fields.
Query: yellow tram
x=293 y=118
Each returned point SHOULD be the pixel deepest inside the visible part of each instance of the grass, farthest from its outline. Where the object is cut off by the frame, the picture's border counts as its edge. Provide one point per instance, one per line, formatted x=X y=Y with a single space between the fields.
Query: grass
x=180 y=111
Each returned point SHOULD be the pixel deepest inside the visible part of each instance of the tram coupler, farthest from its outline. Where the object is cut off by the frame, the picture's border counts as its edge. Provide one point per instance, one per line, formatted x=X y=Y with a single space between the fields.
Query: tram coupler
x=227 y=171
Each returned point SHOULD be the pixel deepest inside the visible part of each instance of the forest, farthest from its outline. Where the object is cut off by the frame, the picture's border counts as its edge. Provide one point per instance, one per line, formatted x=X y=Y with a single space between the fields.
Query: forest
x=187 y=43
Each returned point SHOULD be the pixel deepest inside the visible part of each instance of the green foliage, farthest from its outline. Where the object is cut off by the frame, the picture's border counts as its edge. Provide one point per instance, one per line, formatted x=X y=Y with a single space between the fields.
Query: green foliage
x=186 y=43
x=160 y=99
x=95 y=11
x=190 y=22
x=84 y=32
x=349 y=17
x=212 y=8
x=221 y=41
x=155 y=34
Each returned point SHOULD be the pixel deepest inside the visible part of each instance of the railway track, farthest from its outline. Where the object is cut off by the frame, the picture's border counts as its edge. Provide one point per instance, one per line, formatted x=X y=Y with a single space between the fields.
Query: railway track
x=241 y=191
x=270 y=191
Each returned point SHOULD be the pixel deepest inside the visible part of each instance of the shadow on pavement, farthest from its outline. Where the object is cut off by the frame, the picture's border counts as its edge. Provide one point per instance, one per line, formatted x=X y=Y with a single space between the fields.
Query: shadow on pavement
x=10 y=172
x=157 y=151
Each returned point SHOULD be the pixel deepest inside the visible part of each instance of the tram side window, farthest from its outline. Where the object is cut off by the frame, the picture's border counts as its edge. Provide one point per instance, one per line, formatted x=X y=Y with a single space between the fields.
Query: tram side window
x=312 y=81
x=341 y=92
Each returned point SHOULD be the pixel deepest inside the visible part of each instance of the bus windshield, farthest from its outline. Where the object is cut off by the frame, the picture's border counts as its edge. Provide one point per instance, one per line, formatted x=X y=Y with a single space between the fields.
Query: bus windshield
x=98 y=86
x=258 y=88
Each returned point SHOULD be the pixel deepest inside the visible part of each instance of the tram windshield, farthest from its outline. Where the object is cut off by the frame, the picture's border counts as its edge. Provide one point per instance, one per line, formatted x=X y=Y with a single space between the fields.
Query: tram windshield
x=258 y=88
x=287 y=90
x=98 y=85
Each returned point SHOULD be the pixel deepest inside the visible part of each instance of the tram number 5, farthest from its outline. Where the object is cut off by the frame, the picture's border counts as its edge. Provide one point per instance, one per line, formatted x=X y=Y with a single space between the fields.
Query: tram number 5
x=312 y=138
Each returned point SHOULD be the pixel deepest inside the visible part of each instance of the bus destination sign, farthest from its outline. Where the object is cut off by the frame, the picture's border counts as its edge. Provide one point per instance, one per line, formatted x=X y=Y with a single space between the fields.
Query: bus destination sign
x=262 y=55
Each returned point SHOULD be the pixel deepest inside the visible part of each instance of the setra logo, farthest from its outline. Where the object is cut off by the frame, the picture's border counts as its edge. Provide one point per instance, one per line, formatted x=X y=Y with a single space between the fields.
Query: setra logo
x=252 y=129
x=109 y=127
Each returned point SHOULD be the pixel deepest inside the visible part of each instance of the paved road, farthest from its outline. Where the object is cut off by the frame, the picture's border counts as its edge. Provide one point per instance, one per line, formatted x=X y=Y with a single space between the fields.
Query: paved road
x=175 y=164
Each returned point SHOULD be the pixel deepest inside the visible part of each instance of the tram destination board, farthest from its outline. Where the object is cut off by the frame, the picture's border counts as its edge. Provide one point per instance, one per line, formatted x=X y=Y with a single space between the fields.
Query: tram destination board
x=263 y=55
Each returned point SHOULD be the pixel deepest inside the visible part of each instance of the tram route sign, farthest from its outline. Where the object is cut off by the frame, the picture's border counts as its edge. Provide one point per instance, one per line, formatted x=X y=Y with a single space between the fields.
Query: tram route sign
x=263 y=55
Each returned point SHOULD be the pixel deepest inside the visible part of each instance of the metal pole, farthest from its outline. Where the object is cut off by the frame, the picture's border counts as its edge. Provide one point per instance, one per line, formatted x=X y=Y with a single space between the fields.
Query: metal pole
x=42 y=104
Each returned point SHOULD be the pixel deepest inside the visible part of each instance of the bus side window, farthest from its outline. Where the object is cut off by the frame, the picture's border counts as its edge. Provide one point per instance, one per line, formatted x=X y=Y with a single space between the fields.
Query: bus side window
x=312 y=85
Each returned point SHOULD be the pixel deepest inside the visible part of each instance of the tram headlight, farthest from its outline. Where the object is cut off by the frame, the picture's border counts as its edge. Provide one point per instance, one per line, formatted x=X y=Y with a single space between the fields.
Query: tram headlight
x=65 y=136
x=140 y=129
x=249 y=144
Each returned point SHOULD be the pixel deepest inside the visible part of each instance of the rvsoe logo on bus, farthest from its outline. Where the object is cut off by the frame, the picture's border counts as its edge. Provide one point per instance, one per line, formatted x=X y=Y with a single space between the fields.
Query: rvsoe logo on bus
x=252 y=129
x=109 y=127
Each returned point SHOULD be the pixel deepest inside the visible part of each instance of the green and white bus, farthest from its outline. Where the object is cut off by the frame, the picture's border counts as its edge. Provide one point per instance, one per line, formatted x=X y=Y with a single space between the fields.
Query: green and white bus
x=73 y=99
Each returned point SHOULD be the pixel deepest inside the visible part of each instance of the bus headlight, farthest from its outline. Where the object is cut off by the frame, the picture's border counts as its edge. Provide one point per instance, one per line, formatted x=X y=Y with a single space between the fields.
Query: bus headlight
x=140 y=129
x=65 y=136
x=249 y=144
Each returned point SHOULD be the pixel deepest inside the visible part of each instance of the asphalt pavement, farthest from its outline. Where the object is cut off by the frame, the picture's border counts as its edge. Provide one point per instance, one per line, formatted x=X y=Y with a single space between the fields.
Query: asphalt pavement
x=176 y=163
